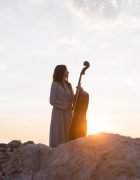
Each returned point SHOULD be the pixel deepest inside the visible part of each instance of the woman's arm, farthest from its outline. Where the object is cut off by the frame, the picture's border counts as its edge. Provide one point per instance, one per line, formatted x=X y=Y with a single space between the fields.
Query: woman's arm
x=53 y=98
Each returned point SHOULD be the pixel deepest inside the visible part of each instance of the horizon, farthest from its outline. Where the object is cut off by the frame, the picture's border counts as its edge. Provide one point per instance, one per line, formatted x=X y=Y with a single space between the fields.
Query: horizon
x=36 y=35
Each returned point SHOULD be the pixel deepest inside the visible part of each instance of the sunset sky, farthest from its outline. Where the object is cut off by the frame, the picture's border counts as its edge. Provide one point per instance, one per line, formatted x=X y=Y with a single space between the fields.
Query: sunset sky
x=36 y=35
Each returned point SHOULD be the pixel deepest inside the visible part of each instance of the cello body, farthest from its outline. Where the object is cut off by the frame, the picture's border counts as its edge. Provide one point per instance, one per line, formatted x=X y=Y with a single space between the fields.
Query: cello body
x=78 y=126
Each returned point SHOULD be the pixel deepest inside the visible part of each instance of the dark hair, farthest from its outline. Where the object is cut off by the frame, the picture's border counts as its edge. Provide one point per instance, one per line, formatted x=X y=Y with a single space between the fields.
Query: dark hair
x=59 y=73
x=58 y=76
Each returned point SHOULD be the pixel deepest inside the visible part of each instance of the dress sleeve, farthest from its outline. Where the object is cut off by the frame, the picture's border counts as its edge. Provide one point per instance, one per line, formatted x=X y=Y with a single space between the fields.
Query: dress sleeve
x=53 y=98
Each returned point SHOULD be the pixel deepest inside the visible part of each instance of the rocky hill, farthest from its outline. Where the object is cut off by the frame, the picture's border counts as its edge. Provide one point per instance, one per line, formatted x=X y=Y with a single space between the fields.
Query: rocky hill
x=96 y=157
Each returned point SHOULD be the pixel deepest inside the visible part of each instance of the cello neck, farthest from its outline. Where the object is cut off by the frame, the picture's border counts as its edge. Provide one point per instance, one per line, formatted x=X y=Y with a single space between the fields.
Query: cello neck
x=86 y=64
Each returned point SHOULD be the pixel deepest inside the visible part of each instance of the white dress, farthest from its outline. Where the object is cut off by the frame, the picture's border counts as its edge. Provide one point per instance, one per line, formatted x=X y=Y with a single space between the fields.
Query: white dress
x=61 y=99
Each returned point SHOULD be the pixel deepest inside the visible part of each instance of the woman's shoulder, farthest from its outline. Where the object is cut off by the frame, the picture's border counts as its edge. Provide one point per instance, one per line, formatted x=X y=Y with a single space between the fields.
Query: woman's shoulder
x=55 y=84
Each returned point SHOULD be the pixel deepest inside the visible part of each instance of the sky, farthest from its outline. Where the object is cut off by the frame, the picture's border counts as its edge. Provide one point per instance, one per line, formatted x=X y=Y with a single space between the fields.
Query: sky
x=37 y=35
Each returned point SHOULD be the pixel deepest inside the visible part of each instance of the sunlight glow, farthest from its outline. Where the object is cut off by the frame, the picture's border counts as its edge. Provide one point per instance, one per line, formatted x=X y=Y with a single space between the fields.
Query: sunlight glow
x=97 y=124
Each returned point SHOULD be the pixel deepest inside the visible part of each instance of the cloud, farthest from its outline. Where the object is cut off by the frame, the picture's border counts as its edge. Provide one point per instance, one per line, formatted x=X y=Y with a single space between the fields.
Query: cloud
x=74 y=41
x=99 y=14
x=1 y=48
x=2 y=67
x=13 y=76
x=37 y=2
x=70 y=41
x=9 y=75
x=4 y=99
x=136 y=40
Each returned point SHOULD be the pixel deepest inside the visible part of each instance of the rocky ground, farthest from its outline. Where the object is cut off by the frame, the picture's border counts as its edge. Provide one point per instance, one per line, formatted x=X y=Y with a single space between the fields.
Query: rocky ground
x=97 y=157
x=6 y=153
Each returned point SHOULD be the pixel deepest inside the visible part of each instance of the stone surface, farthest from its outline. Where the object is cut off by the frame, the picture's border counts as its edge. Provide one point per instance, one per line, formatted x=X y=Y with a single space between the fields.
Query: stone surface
x=14 y=144
x=6 y=151
x=98 y=157
x=3 y=154
x=3 y=147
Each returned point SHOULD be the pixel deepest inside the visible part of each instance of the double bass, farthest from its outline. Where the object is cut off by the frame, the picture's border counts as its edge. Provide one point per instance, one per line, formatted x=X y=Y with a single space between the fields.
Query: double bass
x=78 y=127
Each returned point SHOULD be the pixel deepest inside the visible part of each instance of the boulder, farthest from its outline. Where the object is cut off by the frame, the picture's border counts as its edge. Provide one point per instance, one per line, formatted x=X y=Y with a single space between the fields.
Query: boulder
x=100 y=157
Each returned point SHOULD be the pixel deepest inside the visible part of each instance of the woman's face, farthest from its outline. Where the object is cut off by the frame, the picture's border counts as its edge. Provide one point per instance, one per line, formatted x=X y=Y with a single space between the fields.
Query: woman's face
x=66 y=73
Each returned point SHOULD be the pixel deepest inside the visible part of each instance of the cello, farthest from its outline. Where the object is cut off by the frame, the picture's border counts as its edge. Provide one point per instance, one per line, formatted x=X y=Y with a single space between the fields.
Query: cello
x=78 y=127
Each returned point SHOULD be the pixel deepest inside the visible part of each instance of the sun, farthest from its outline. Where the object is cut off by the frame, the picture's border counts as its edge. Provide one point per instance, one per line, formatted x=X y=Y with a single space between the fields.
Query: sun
x=97 y=124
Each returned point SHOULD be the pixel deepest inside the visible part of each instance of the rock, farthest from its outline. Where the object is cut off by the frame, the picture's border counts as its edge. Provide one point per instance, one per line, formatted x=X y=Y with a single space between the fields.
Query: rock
x=28 y=142
x=3 y=154
x=3 y=157
x=100 y=157
x=3 y=147
x=14 y=144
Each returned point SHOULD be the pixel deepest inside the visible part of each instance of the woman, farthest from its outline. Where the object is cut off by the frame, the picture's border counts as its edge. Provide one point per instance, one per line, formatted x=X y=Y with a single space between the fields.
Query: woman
x=61 y=98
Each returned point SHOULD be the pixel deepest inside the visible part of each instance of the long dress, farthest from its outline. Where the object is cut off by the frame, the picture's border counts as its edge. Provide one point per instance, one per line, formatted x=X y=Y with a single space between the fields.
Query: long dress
x=61 y=99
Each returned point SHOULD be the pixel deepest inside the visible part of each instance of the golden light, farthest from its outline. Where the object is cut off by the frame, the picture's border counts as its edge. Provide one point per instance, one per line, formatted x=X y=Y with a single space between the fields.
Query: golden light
x=97 y=124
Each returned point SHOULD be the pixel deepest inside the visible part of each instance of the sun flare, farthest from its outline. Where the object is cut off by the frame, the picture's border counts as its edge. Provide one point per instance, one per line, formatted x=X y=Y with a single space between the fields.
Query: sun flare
x=97 y=124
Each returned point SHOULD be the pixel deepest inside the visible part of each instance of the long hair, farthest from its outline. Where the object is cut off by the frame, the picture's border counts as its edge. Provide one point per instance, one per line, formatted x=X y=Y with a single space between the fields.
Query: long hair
x=59 y=73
